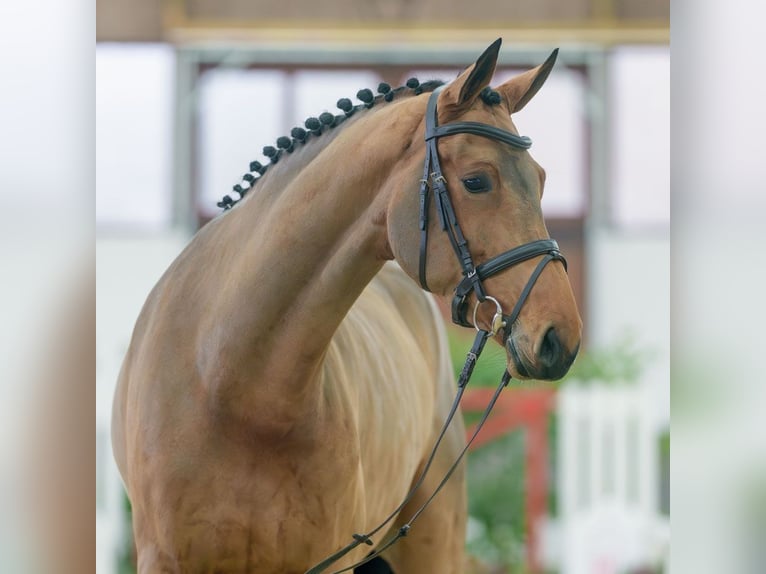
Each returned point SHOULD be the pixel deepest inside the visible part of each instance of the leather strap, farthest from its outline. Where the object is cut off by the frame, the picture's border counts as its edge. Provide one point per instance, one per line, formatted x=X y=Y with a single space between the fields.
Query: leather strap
x=496 y=265
x=432 y=173
x=425 y=200
x=511 y=319
x=478 y=129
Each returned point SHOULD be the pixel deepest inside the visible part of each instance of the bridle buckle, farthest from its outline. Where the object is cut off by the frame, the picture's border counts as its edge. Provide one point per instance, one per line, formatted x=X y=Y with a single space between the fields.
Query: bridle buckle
x=438 y=178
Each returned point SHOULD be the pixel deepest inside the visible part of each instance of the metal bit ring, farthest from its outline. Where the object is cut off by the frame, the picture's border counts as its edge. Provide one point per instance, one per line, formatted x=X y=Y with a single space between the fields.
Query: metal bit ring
x=497 y=320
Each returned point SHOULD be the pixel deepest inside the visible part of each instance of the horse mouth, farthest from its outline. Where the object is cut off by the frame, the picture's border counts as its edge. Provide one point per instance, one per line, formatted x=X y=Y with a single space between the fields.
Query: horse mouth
x=518 y=363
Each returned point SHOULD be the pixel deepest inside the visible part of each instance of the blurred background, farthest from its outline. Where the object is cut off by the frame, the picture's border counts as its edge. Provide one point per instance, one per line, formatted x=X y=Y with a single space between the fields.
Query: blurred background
x=571 y=478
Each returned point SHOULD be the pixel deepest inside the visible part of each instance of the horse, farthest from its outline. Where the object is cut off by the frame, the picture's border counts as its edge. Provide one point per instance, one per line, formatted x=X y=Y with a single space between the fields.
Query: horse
x=289 y=372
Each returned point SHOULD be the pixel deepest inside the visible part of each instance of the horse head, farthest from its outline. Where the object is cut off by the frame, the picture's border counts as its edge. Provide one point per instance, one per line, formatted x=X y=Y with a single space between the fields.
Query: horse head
x=484 y=189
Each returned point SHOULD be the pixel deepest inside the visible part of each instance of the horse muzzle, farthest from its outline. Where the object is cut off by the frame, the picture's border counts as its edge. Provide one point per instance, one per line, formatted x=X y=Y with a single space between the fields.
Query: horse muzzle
x=548 y=360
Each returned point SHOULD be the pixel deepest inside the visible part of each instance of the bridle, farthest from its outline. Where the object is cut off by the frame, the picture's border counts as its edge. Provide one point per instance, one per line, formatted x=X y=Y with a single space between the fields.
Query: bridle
x=433 y=181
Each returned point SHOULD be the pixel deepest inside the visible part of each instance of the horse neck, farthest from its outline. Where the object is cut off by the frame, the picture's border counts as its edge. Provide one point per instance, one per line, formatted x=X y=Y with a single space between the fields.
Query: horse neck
x=312 y=246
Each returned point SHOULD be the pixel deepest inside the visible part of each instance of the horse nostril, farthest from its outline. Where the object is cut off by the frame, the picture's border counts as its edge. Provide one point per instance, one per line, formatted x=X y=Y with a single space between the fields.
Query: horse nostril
x=550 y=349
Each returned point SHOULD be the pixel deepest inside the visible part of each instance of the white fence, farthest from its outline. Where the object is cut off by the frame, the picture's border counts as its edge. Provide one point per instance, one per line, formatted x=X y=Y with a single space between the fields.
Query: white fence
x=607 y=483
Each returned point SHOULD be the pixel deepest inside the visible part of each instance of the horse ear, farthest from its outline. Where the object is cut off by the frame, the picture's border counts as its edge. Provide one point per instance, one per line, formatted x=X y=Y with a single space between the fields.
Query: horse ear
x=519 y=90
x=468 y=85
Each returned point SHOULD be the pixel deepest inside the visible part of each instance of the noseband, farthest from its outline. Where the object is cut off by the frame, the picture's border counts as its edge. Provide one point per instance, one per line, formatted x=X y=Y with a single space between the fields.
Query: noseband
x=473 y=276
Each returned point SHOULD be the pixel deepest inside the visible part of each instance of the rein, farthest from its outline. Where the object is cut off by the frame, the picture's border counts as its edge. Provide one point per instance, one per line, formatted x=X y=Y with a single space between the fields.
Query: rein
x=434 y=181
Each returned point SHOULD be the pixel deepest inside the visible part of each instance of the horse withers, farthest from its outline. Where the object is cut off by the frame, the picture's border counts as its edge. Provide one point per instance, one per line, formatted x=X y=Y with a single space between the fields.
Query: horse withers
x=284 y=383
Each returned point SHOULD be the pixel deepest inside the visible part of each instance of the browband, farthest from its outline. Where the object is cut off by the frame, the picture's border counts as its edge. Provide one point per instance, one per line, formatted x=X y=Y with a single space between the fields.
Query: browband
x=478 y=129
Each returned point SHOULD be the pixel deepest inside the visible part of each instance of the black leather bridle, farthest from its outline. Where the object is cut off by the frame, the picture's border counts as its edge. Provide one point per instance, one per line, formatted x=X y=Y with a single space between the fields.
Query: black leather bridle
x=434 y=181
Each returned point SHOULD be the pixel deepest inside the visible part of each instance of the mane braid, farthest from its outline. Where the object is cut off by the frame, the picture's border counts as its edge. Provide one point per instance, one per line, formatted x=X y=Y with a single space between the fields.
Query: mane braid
x=316 y=126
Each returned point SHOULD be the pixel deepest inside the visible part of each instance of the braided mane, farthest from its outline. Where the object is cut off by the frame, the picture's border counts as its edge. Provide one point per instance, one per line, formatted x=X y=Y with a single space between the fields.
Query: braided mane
x=315 y=127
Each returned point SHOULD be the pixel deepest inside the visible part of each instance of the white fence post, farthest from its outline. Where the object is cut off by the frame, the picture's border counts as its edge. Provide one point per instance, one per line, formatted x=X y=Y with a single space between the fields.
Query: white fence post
x=607 y=481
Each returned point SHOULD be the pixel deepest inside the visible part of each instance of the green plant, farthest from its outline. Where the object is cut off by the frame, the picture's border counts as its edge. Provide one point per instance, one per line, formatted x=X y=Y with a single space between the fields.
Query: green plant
x=496 y=501
x=621 y=362
x=663 y=447
x=126 y=563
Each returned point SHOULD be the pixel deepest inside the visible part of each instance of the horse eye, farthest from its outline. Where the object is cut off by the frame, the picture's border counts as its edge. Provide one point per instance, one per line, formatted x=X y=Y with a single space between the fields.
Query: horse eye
x=476 y=184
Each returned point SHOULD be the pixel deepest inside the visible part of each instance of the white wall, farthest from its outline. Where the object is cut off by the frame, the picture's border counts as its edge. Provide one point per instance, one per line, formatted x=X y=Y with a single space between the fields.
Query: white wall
x=134 y=130
x=629 y=292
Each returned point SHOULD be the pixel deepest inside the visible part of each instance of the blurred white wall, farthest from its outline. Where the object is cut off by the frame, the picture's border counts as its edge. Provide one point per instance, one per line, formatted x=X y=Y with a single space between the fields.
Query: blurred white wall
x=134 y=135
x=629 y=295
